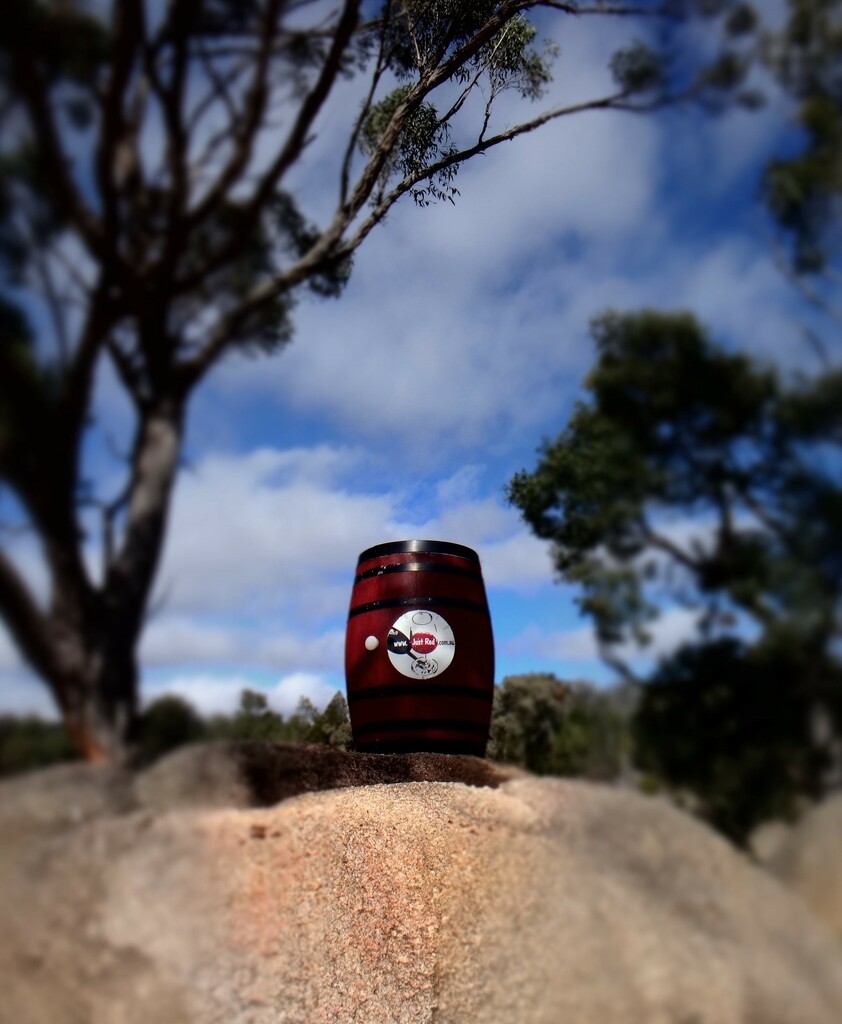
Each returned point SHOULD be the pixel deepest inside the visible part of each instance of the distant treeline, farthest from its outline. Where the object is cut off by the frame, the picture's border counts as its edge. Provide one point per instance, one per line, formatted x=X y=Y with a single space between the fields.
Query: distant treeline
x=539 y=723
x=170 y=722
x=718 y=763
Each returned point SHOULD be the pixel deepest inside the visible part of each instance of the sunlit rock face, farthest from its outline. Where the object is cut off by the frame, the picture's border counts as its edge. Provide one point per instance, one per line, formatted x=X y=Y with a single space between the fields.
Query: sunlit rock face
x=423 y=901
x=809 y=860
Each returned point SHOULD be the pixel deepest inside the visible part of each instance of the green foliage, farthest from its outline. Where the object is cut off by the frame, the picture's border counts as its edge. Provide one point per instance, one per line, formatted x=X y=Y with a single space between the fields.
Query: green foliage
x=296 y=235
x=526 y=714
x=637 y=68
x=555 y=728
x=735 y=726
x=424 y=33
x=29 y=743
x=256 y=721
x=281 y=233
x=420 y=33
x=593 y=741
x=228 y=17
x=420 y=142
x=168 y=723
x=514 y=64
x=741 y=20
x=420 y=138
x=171 y=722
x=727 y=72
x=69 y=42
x=331 y=726
x=677 y=427
x=803 y=191
x=677 y=424
x=421 y=36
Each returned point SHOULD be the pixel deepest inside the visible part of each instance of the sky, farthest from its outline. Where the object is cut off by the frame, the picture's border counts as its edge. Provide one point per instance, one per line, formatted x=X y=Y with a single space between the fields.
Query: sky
x=401 y=409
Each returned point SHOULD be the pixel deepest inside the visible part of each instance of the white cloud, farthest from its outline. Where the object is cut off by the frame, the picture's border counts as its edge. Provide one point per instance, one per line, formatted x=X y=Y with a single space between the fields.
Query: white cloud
x=321 y=652
x=208 y=694
x=260 y=560
x=461 y=328
x=179 y=640
x=668 y=632
x=268 y=535
x=172 y=640
x=452 y=333
x=213 y=694
x=265 y=532
x=287 y=692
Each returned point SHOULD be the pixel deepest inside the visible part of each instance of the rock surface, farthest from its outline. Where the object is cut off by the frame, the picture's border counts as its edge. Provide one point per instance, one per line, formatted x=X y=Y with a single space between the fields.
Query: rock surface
x=538 y=902
x=809 y=860
x=261 y=774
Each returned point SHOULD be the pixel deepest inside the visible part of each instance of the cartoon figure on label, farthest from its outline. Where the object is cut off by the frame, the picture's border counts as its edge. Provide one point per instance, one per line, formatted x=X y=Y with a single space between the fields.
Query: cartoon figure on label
x=413 y=640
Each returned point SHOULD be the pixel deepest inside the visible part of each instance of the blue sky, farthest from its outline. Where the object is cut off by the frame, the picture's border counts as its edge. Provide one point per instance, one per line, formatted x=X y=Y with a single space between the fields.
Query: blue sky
x=402 y=409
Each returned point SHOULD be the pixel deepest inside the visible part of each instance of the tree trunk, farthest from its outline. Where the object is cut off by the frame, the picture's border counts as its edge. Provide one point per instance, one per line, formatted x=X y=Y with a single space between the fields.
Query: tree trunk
x=94 y=673
x=99 y=708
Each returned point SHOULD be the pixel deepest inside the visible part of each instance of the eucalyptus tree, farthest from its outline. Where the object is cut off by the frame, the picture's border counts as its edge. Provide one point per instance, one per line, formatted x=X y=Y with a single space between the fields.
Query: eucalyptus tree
x=803 y=189
x=695 y=475
x=149 y=223
x=696 y=479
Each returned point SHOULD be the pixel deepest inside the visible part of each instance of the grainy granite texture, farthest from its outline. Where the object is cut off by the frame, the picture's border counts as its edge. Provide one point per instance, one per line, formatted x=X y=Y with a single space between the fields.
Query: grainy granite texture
x=537 y=902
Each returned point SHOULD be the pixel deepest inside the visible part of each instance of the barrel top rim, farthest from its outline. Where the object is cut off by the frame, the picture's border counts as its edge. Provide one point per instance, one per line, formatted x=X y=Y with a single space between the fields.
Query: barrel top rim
x=397 y=547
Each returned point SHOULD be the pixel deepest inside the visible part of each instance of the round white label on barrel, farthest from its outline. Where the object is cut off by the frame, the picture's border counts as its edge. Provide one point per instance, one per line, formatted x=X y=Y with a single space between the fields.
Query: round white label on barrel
x=421 y=643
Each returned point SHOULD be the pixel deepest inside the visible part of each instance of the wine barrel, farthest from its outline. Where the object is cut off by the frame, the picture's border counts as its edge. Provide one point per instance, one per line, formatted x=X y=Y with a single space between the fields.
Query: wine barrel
x=419 y=651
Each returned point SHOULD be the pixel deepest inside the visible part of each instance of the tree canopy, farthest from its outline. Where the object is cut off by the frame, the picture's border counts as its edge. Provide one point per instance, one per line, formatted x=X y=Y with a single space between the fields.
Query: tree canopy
x=694 y=477
x=678 y=425
x=803 y=190
x=552 y=727
x=150 y=226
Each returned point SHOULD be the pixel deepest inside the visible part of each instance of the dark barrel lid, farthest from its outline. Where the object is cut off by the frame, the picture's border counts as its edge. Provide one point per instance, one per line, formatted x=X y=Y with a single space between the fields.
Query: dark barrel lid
x=396 y=547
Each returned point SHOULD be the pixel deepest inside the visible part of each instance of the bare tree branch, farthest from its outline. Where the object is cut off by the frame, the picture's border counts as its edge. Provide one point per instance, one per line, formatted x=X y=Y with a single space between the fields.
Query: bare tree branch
x=220 y=91
x=469 y=88
x=128 y=372
x=183 y=14
x=127 y=36
x=662 y=543
x=110 y=510
x=290 y=151
x=73 y=273
x=613 y=102
x=353 y=138
x=665 y=10
x=56 y=164
x=608 y=654
x=328 y=244
x=102 y=315
x=246 y=126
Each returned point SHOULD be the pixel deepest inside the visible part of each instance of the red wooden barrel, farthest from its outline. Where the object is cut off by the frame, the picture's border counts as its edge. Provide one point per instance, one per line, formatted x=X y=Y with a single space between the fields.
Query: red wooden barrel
x=419 y=653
